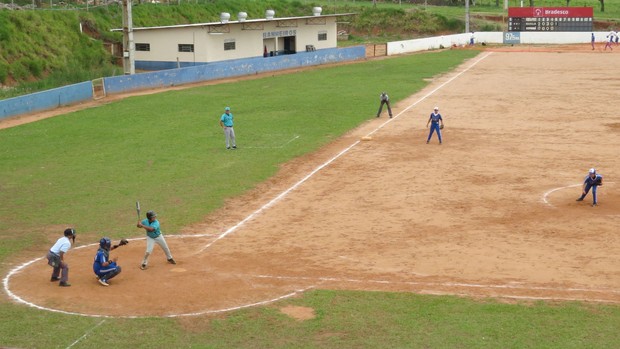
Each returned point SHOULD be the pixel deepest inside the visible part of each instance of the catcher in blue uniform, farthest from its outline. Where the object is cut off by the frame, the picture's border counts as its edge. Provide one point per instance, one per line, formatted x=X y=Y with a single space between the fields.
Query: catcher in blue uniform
x=592 y=181
x=104 y=267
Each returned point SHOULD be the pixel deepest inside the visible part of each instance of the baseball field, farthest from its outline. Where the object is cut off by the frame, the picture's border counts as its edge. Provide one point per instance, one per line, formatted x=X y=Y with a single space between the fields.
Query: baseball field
x=308 y=236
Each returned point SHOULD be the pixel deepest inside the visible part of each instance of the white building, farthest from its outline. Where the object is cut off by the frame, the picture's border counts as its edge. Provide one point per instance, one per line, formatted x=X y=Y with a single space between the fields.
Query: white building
x=191 y=44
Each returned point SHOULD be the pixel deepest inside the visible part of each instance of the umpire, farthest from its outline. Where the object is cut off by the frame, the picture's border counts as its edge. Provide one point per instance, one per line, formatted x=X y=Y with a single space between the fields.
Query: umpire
x=385 y=99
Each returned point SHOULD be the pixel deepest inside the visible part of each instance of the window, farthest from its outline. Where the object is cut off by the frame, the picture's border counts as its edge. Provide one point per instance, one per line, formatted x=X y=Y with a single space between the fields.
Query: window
x=143 y=47
x=322 y=36
x=229 y=45
x=186 y=48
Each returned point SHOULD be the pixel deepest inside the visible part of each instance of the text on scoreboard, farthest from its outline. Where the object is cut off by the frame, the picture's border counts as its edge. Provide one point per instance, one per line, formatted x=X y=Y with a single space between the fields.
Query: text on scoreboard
x=558 y=19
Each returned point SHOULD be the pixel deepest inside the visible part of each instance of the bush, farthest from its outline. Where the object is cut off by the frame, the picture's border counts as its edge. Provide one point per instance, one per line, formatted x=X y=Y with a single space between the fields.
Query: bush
x=19 y=70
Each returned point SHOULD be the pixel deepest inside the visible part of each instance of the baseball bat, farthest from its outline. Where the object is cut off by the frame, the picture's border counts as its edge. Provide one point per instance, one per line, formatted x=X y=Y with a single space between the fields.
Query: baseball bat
x=138 y=209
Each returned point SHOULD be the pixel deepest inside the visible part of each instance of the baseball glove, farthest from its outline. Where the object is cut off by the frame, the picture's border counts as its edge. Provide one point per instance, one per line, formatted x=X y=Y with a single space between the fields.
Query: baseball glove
x=598 y=181
x=441 y=127
x=123 y=242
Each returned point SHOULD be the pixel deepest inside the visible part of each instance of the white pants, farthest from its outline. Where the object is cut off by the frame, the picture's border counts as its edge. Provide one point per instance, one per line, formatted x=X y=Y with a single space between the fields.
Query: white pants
x=150 y=243
x=229 y=132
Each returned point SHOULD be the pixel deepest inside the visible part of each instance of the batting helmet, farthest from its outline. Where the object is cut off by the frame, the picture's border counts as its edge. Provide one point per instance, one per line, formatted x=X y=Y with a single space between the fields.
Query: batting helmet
x=151 y=214
x=69 y=232
x=105 y=243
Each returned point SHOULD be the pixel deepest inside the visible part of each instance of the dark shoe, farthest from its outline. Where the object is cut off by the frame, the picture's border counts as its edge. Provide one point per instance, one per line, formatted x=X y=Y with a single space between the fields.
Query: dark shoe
x=171 y=261
x=594 y=204
x=234 y=147
x=143 y=266
x=580 y=199
x=54 y=279
x=227 y=147
x=426 y=142
x=64 y=284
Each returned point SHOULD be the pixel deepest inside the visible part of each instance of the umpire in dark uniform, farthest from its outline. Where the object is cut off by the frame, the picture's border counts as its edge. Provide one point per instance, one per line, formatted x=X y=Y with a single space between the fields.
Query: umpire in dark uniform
x=385 y=99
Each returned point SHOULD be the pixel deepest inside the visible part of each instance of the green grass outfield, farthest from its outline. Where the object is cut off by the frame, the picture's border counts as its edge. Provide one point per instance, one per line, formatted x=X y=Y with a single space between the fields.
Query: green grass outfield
x=86 y=169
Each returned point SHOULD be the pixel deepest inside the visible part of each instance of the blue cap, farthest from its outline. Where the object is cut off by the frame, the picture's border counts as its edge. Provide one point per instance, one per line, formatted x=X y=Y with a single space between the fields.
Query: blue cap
x=227 y=108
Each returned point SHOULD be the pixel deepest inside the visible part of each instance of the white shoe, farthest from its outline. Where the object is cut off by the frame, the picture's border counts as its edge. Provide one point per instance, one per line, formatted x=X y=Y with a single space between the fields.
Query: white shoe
x=103 y=282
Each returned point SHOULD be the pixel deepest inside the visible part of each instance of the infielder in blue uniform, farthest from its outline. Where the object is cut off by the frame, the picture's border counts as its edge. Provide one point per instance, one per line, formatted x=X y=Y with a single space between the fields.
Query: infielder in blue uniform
x=153 y=236
x=104 y=267
x=435 y=120
x=226 y=122
x=593 y=180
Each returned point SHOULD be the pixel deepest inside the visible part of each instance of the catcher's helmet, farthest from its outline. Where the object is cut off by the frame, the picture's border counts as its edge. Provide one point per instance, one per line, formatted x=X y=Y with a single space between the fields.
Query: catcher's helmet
x=151 y=214
x=105 y=243
x=69 y=232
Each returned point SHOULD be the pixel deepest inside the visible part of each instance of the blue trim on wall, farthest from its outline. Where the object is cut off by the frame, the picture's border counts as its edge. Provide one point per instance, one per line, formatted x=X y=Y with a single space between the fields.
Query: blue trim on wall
x=46 y=100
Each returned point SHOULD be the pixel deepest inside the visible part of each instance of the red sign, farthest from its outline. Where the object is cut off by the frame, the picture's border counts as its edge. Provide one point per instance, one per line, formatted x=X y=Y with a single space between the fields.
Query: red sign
x=553 y=12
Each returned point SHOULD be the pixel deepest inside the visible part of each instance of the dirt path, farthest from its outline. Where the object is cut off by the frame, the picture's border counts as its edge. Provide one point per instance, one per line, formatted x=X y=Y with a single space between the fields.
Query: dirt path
x=490 y=213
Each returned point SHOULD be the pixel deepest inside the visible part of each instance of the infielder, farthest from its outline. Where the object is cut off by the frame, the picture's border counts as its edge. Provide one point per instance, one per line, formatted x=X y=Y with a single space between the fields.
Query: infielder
x=385 y=99
x=593 y=180
x=436 y=124
x=611 y=36
x=226 y=122
x=56 y=258
x=153 y=236
x=104 y=267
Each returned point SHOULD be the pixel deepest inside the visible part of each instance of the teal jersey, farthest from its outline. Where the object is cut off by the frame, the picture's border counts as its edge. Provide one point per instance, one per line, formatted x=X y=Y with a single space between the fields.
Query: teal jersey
x=155 y=225
x=227 y=119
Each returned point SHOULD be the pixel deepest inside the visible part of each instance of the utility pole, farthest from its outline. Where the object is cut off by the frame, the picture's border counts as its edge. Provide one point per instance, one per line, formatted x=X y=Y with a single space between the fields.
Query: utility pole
x=467 y=16
x=129 y=48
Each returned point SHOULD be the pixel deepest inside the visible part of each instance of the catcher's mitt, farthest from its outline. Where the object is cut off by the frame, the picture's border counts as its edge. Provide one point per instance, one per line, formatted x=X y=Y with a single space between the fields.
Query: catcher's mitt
x=123 y=242
x=441 y=127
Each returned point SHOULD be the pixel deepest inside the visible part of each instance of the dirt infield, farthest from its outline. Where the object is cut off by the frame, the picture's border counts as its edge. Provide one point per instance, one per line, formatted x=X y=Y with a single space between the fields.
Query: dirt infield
x=490 y=213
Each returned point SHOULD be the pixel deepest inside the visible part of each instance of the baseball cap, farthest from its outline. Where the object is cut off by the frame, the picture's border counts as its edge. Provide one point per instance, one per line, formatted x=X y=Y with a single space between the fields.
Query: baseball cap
x=227 y=108
x=592 y=170
x=436 y=108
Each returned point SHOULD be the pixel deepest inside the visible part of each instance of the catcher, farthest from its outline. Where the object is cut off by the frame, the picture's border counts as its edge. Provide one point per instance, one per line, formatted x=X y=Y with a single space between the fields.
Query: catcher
x=104 y=267
x=593 y=180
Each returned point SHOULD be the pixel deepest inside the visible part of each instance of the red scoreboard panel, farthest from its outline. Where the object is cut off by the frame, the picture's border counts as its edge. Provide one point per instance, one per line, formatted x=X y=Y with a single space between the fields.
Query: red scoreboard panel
x=558 y=19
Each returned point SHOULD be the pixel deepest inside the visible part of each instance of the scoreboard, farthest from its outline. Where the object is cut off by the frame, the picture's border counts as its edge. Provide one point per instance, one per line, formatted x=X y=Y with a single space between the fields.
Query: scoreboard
x=559 y=19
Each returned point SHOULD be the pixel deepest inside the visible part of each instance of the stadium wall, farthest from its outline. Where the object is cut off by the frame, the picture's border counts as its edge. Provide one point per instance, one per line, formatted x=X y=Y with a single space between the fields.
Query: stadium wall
x=528 y=38
x=81 y=92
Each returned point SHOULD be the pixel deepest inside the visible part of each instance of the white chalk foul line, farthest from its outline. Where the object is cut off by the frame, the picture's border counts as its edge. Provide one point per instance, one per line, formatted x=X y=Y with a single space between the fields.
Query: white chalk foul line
x=430 y=93
x=284 y=193
x=86 y=334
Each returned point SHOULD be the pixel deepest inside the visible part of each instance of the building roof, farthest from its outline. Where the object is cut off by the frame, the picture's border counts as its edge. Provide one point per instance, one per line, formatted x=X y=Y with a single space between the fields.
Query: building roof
x=234 y=22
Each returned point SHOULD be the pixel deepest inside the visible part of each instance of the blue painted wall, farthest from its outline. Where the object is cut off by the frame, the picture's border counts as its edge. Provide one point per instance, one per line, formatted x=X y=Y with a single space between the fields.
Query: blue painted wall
x=210 y=71
x=46 y=100
x=218 y=70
